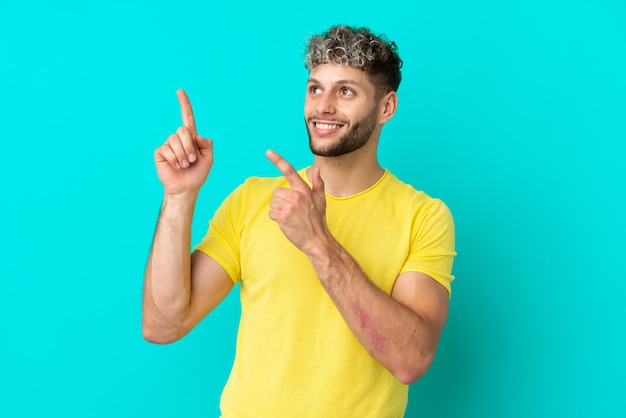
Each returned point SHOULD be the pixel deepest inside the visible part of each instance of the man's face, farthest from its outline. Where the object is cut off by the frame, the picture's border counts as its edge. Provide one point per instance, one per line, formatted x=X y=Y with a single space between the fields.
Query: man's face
x=340 y=110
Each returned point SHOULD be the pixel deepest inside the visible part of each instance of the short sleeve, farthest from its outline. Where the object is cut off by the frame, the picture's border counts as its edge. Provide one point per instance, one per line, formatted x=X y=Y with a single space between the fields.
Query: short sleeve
x=222 y=240
x=432 y=243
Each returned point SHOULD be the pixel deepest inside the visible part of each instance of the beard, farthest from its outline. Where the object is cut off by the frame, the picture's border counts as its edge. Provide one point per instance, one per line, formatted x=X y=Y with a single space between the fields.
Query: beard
x=357 y=136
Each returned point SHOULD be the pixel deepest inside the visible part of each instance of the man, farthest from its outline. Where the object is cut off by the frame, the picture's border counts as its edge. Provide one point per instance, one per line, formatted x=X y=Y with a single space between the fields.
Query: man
x=344 y=271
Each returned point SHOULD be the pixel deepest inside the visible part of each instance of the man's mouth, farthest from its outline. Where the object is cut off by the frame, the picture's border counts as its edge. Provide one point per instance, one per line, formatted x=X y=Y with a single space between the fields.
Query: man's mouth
x=326 y=127
x=320 y=125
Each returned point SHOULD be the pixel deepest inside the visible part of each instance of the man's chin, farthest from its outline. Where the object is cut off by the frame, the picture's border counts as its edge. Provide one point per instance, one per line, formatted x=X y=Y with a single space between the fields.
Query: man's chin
x=321 y=146
x=321 y=151
x=331 y=150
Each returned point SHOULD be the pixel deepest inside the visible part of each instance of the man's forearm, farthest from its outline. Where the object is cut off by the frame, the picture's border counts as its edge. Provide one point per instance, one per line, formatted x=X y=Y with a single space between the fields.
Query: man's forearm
x=167 y=281
x=398 y=337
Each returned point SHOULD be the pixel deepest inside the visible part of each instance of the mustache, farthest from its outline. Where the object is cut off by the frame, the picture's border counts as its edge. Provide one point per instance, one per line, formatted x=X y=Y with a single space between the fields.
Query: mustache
x=328 y=120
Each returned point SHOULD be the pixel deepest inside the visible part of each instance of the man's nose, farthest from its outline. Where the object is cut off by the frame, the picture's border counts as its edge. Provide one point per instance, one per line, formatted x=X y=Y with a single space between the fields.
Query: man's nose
x=325 y=104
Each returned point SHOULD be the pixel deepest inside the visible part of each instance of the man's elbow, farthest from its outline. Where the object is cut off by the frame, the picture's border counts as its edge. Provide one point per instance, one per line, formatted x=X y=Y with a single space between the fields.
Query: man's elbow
x=409 y=376
x=411 y=373
x=158 y=335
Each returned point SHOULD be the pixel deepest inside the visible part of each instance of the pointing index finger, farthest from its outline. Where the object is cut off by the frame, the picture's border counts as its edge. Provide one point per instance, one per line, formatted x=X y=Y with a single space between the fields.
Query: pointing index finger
x=290 y=173
x=187 y=112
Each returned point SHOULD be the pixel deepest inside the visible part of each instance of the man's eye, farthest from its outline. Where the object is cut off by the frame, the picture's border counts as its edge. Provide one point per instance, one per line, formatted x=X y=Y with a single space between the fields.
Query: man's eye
x=347 y=92
x=314 y=89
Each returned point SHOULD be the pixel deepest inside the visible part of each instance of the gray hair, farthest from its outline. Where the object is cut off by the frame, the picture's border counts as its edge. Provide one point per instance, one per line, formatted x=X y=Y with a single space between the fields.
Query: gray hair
x=358 y=48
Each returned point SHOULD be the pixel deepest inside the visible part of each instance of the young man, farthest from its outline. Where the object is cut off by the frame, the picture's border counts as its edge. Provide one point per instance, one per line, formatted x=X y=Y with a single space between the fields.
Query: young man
x=344 y=271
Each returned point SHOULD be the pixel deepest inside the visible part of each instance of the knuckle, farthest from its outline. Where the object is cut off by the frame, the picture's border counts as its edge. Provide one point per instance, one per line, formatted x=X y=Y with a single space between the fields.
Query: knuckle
x=173 y=141
x=289 y=170
x=297 y=197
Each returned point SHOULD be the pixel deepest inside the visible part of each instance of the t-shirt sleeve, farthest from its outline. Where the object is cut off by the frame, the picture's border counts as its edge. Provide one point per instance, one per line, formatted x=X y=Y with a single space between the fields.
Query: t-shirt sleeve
x=222 y=240
x=432 y=246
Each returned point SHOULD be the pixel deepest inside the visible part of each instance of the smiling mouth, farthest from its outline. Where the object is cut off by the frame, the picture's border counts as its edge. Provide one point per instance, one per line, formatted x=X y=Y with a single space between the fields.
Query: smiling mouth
x=327 y=126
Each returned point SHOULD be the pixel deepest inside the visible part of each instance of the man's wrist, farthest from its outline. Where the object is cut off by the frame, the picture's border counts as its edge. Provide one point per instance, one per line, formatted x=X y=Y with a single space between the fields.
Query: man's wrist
x=182 y=198
x=175 y=205
x=326 y=251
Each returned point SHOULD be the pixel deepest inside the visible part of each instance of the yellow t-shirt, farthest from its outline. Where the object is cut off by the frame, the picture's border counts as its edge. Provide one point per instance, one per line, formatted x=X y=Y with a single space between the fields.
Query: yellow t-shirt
x=296 y=357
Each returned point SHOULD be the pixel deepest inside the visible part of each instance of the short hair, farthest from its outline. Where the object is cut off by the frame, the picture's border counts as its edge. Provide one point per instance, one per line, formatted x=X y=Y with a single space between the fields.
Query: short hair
x=358 y=48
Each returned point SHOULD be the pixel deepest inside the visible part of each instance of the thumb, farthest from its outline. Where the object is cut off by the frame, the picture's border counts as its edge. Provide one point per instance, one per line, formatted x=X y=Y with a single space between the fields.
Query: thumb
x=204 y=146
x=203 y=143
x=318 y=183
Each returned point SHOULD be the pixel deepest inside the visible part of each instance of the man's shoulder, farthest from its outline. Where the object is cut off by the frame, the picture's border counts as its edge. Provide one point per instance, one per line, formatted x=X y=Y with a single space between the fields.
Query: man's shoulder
x=413 y=196
x=260 y=182
x=263 y=182
x=403 y=189
x=257 y=189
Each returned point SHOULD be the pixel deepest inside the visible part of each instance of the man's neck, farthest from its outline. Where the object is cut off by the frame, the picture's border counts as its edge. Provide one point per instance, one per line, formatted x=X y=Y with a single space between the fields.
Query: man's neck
x=348 y=175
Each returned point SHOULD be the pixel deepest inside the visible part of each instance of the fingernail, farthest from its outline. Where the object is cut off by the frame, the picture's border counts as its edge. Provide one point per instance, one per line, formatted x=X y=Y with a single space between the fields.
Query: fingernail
x=185 y=163
x=192 y=157
x=177 y=166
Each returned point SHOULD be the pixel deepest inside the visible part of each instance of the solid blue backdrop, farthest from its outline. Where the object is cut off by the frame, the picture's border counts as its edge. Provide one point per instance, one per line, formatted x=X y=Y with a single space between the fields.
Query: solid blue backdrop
x=512 y=113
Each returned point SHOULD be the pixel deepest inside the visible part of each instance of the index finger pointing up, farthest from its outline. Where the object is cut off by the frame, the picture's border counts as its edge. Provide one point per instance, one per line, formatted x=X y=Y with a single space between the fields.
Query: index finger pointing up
x=187 y=112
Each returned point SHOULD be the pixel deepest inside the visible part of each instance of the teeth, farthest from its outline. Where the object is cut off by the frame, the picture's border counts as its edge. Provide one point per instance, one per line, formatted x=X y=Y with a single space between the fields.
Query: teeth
x=327 y=126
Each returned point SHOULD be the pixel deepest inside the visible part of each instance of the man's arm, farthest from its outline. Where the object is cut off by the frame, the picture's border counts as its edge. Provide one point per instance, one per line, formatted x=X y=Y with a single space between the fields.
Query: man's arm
x=179 y=288
x=401 y=331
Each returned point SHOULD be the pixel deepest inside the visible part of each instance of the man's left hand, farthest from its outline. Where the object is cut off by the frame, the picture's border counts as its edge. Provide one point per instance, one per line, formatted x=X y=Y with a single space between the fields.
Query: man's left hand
x=300 y=210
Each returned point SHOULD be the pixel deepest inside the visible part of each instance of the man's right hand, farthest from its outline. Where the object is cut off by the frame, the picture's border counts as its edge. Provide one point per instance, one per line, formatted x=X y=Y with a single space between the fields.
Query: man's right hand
x=183 y=162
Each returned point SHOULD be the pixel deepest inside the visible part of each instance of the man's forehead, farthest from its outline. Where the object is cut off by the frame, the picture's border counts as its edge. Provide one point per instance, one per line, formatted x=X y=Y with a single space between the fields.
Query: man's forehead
x=335 y=73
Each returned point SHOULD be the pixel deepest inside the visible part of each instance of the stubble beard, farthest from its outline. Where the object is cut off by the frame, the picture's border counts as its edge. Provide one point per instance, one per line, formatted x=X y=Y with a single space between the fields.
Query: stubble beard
x=357 y=136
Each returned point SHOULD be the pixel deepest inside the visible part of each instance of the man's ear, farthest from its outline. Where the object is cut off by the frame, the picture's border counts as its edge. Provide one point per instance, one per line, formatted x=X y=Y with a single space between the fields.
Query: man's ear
x=388 y=106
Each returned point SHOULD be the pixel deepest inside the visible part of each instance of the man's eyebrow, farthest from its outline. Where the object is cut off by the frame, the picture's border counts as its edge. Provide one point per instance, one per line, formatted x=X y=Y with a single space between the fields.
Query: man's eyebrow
x=342 y=81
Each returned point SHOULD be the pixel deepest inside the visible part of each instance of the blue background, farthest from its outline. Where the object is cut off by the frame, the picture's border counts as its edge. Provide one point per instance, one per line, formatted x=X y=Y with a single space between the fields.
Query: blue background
x=514 y=113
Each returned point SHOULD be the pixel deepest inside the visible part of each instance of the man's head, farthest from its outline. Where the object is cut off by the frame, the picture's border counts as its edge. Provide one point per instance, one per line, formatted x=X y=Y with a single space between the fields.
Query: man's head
x=351 y=91
x=360 y=49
